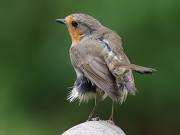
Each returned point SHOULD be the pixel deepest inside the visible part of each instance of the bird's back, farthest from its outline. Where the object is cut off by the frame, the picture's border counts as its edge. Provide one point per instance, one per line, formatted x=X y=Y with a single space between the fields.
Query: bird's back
x=114 y=41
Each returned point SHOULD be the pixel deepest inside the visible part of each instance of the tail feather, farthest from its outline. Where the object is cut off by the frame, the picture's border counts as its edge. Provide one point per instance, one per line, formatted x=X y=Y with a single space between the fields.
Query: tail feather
x=142 y=70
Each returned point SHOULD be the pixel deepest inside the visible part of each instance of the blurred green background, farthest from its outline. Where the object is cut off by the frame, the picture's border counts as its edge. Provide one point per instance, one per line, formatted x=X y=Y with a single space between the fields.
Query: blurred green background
x=35 y=70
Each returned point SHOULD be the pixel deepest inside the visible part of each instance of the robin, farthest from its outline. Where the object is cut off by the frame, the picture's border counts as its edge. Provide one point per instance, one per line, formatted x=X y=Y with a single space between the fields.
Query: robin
x=98 y=58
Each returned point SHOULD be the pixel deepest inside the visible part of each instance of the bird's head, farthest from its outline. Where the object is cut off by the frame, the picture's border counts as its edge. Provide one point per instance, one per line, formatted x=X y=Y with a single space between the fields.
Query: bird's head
x=80 y=25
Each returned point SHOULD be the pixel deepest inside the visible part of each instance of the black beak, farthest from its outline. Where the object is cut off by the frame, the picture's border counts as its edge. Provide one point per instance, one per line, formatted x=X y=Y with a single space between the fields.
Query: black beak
x=62 y=21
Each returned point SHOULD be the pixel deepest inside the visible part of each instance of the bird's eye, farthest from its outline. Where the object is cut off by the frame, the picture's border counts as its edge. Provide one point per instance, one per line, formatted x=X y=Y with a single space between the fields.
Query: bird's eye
x=74 y=24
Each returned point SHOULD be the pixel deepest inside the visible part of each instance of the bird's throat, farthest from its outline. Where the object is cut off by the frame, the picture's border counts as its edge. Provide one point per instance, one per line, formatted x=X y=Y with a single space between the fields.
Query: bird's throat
x=75 y=36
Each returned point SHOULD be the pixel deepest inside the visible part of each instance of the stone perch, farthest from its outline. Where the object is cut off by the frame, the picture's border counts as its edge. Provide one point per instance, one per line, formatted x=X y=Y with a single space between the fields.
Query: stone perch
x=94 y=128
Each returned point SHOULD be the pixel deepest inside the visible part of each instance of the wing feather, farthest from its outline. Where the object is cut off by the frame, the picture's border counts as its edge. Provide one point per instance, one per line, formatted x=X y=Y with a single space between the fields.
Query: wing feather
x=99 y=74
x=94 y=67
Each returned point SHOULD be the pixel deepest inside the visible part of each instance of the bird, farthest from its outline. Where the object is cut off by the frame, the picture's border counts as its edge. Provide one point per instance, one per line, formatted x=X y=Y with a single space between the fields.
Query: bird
x=102 y=68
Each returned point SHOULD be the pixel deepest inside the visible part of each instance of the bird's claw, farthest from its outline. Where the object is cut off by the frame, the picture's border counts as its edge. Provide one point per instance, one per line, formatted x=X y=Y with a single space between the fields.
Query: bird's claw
x=111 y=122
x=93 y=119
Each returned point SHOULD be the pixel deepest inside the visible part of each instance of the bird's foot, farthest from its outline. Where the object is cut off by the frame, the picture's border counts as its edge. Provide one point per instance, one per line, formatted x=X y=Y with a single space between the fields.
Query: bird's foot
x=93 y=118
x=111 y=122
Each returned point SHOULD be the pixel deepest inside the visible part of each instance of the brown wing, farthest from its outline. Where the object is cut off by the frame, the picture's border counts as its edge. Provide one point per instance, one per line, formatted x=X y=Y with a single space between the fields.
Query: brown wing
x=127 y=80
x=99 y=74
x=115 y=43
x=95 y=69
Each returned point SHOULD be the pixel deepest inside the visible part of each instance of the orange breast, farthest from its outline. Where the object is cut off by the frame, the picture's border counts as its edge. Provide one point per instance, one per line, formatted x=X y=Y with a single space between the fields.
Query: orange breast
x=74 y=32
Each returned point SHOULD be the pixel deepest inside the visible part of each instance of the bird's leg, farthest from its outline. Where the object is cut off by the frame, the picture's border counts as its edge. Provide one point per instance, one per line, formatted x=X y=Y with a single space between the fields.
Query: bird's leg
x=112 y=113
x=93 y=112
